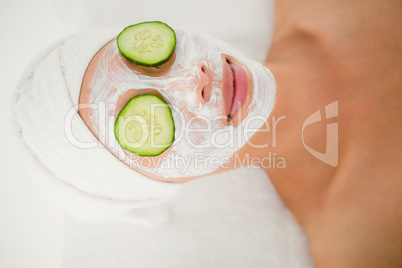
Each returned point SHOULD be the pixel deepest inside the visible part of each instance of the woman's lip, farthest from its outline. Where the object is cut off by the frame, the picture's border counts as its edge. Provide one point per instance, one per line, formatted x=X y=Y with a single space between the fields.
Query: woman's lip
x=240 y=88
x=227 y=87
x=234 y=88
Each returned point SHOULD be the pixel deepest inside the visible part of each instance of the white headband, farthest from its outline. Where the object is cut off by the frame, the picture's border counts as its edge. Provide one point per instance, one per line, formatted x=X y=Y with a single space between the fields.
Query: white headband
x=91 y=183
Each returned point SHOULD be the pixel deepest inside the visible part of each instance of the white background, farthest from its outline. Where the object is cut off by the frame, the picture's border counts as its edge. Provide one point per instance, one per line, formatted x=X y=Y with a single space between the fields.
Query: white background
x=31 y=226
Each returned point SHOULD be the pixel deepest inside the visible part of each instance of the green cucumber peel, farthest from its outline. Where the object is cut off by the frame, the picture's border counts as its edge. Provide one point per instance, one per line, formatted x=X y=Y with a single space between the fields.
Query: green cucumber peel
x=149 y=44
x=145 y=126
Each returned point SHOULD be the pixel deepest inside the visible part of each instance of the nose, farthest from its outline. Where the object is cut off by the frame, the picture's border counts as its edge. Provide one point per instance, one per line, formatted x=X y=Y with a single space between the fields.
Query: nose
x=204 y=86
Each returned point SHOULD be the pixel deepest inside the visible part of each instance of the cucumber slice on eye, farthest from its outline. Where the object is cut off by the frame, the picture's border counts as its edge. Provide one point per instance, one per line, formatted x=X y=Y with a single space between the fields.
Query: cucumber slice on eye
x=150 y=43
x=145 y=126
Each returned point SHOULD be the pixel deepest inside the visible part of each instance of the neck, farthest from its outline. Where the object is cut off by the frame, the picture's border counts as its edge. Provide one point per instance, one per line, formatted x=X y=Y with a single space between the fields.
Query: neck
x=316 y=61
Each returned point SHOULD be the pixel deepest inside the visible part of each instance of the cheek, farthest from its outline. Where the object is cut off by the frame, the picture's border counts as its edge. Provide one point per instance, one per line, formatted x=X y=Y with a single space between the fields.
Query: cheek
x=182 y=94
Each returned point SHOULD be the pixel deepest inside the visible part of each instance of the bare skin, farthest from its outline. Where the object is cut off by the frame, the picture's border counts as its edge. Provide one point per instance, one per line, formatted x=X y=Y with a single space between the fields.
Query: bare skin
x=325 y=51
x=350 y=52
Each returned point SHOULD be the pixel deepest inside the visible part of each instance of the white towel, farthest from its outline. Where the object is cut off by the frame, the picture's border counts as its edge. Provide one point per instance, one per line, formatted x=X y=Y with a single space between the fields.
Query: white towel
x=90 y=183
x=229 y=220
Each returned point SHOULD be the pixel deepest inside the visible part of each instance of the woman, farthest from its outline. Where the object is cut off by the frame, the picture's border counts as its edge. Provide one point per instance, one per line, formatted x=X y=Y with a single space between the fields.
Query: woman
x=339 y=206
x=345 y=52
x=228 y=219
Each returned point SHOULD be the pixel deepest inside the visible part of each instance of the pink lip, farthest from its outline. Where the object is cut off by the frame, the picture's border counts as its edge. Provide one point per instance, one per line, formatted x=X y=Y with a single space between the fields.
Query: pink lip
x=234 y=88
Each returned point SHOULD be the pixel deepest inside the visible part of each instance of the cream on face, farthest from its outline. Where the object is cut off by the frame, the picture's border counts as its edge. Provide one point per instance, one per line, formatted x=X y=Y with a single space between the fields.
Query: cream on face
x=200 y=131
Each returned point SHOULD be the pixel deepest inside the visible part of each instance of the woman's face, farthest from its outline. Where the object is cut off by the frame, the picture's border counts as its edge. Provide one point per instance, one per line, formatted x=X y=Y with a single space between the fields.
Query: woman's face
x=213 y=91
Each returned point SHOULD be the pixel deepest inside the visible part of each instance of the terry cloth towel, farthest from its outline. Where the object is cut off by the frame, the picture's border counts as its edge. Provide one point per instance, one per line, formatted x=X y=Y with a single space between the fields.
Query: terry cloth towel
x=91 y=183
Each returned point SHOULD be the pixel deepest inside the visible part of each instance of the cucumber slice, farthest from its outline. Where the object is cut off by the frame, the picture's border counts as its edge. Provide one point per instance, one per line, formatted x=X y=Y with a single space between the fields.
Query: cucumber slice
x=148 y=43
x=145 y=126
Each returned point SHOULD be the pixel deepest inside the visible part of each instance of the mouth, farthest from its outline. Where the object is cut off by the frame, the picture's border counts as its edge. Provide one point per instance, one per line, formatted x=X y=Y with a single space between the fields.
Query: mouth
x=234 y=88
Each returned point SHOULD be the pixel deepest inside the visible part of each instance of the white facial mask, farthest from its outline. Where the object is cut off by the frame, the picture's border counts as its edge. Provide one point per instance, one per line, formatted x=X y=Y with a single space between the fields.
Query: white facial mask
x=191 y=151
